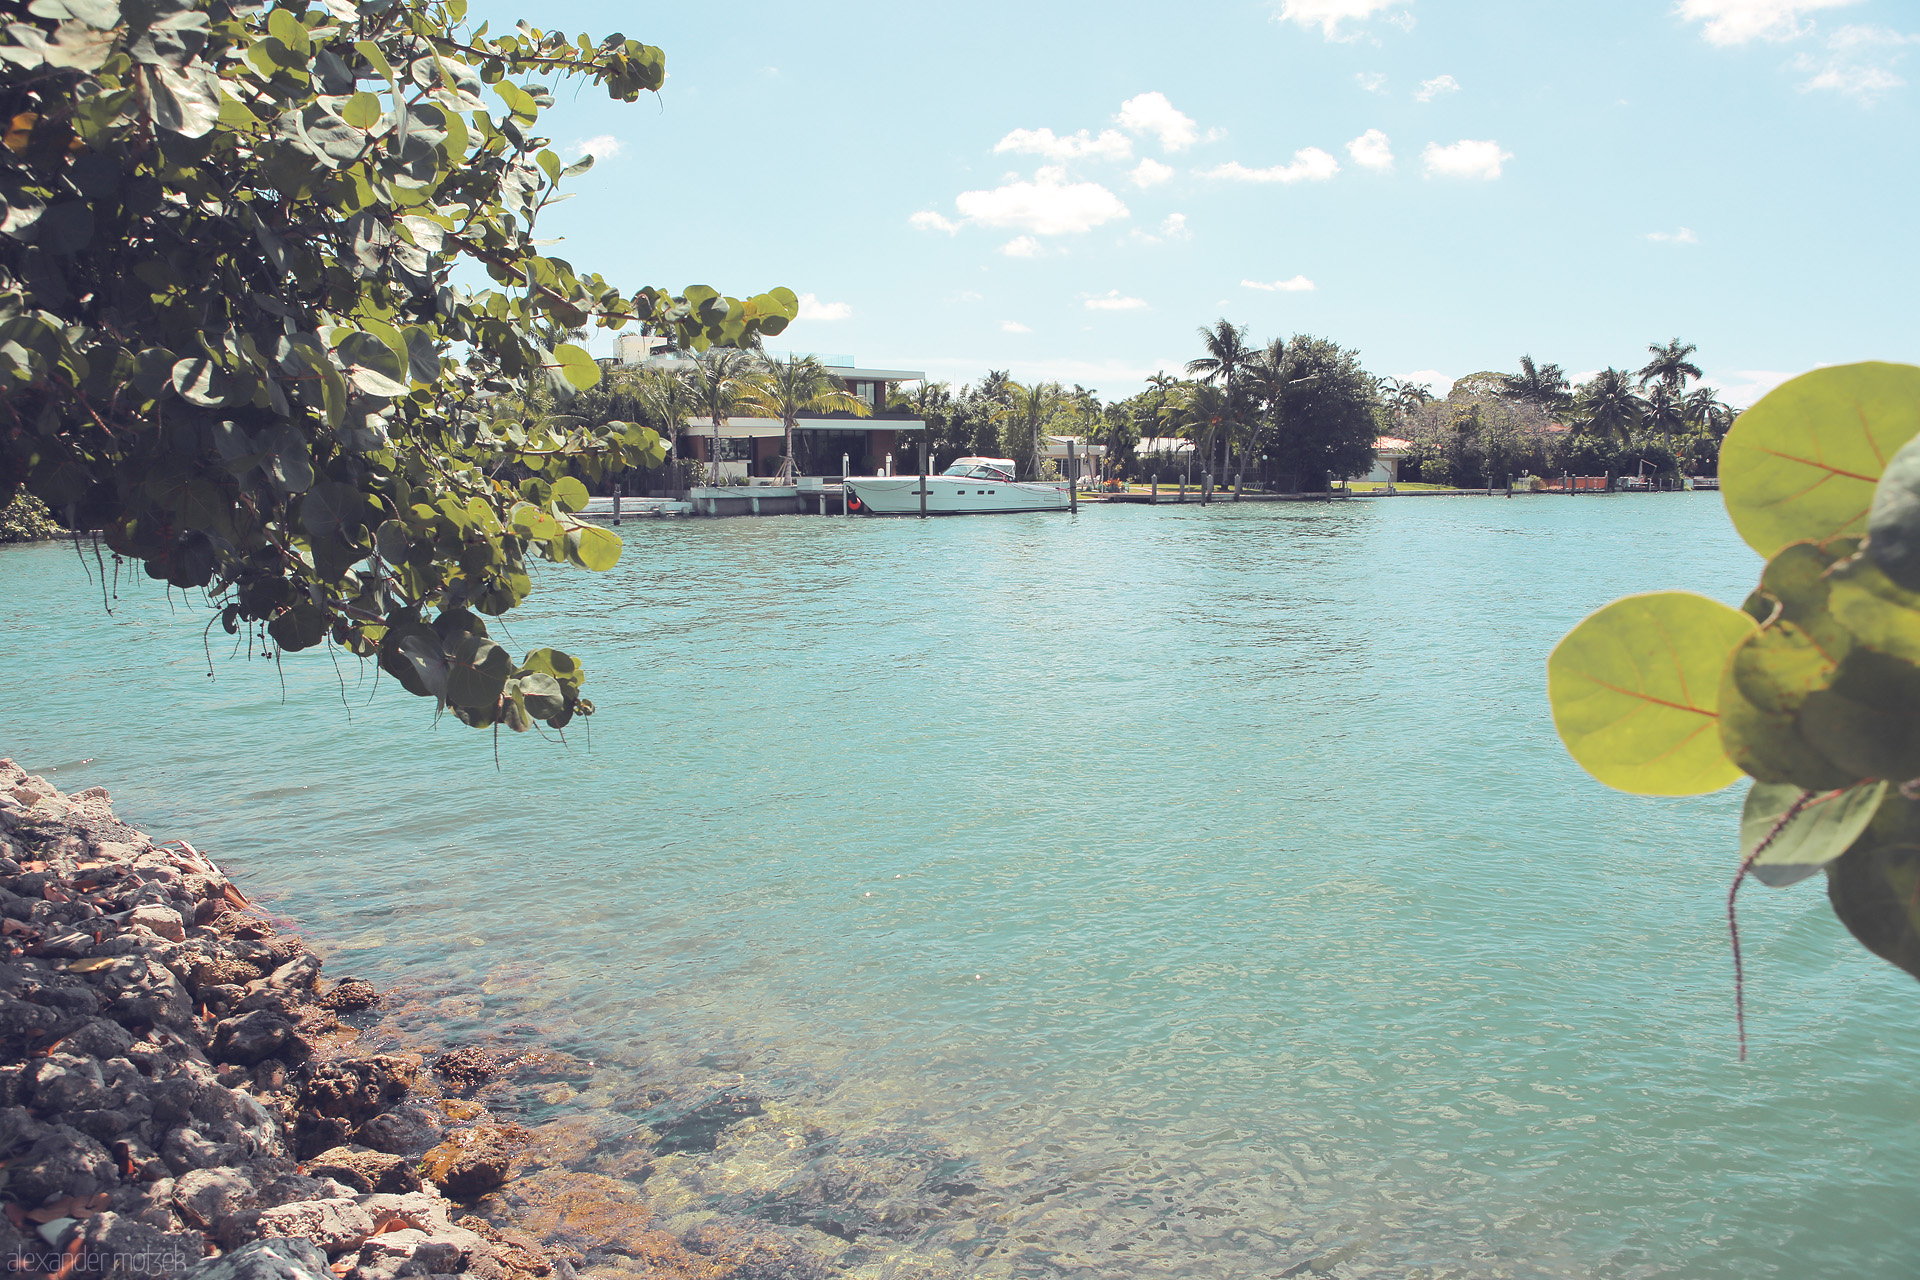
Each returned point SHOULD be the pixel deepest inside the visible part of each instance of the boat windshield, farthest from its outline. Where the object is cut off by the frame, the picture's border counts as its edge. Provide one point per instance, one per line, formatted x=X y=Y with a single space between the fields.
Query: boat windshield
x=977 y=471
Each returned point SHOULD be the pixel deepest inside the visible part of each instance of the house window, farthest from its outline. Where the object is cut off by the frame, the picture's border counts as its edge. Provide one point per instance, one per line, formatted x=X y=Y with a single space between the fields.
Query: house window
x=864 y=390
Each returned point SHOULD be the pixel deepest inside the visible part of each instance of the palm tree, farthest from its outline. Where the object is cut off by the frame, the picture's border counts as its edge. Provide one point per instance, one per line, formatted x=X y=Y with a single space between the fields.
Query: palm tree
x=1023 y=413
x=721 y=379
x=1197 y=411
x=1228 y=358
x=1665 y=413
x=1543 y=385
x=1705 y=410
x=799 y=384
x=1670 y=365
x=661 y=397
x=1610 y=406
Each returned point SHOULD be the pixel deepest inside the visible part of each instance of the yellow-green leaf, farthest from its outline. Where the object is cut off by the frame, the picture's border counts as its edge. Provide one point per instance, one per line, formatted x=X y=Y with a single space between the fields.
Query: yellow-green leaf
x=592 y=547
x=362 y=111
x=1801 y=465
x=1635 y=690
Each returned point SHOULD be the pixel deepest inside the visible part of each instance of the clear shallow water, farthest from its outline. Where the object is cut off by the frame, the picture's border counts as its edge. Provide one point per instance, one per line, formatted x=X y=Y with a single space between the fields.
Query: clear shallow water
x=1210 y=881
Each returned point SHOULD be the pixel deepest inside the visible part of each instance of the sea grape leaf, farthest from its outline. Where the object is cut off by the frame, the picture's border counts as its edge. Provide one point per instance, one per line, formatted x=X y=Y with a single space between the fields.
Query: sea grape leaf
x=1868 y=721
x=1876 y=611
x=576 y=366
x=1801 y=465
x=1823 y=829
x=1875 y=886
x=1768 y=746
x=1800 y=644
x=1635 y=690
x=569 y=494
x=477 y=671
x=1893 y=523
x=592 y=547
x=301 y=626
x=542 y=696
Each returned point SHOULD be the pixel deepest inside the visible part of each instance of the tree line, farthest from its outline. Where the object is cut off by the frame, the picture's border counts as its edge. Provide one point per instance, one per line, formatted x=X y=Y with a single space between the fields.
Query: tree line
x=1492 y=426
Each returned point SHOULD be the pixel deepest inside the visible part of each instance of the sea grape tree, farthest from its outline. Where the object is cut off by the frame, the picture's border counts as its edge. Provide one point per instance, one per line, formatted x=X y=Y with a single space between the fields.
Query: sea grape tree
x=234 y=334
x=1811 y=690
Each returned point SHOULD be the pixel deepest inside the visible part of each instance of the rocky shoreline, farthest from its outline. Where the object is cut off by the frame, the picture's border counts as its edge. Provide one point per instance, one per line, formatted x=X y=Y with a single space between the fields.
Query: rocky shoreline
x=177 y=1092
x=184 y=1094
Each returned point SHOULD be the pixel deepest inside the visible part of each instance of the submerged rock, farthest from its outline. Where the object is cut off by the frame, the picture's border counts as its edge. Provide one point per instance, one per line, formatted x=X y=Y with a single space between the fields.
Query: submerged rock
x=472 y=1162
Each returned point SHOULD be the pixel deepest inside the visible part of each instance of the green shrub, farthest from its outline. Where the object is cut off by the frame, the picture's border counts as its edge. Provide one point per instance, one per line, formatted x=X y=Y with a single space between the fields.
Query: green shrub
x=26 y=519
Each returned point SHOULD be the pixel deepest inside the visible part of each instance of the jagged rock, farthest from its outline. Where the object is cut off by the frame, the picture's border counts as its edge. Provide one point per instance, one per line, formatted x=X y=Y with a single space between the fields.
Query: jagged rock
x=97 y=1038
x=469 y=1065
x=164 y=921
x=335 y=1225
x=63 y=1162
x=207 y=1196
x=122 y=1246
x=62 y=1082
x=351 y=995
x=366 y=1170
x=251 y=1037
x=186 y=1149
x=470 y=1163
x=407 y=1130
x=358 y=1089
x=267 y=1260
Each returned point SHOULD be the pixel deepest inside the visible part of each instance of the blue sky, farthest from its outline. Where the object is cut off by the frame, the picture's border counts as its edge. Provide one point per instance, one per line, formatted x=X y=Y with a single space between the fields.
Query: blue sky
x=1069 y=191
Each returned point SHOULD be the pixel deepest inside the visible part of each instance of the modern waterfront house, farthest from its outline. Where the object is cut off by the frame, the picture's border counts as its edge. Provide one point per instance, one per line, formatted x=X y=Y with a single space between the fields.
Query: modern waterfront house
x=887 y=441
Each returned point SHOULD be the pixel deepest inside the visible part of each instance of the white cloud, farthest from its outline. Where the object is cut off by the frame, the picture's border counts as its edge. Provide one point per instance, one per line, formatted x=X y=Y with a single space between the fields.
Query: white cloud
x=811 y=308
x=1371 y=151
x=1114 y=301
x=1299 y=284
x=1175 y=227
x=1683 y=236
x=1743 y=387
x=604 y=147
x=1021 y=247
x=1110 y=145
x=1310 y=164
x=1013 y=326
x=1431 y=89
x=928 y=220
x=1329 y=14
x=1465 y=159
x=1371 y=81
x=1150 y=173
x=1047 y=206
x=1858 y=62
x=1432 y=379
x=1151 y=113
x=1738 y=21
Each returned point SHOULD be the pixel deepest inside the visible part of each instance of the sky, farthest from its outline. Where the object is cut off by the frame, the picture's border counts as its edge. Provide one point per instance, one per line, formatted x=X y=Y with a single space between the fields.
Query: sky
x=1070 y=191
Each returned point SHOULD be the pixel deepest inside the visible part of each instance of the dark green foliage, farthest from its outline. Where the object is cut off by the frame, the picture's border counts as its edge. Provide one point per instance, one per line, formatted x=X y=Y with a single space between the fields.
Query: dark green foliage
x=229 y=323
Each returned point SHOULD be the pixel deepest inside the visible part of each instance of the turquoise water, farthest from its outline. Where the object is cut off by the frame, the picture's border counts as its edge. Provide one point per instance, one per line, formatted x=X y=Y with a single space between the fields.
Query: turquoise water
x=1210 y=882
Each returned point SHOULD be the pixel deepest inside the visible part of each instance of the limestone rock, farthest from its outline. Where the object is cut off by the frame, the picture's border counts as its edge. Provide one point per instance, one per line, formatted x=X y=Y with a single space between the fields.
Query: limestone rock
x=287 y=1259
x=205 y=1197
x=366 y=1170
x=164 y=921
x=406 y=1130
x=255 y=1036
x=335 y=1225
x=470 y=1163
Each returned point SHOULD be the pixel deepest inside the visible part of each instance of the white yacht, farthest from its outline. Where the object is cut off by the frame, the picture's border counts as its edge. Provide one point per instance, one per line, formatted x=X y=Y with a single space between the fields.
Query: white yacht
x=969 y=486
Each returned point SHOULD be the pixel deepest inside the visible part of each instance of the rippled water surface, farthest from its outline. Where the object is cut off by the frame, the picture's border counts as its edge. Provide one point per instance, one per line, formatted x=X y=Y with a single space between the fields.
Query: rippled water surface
x=1207 y=885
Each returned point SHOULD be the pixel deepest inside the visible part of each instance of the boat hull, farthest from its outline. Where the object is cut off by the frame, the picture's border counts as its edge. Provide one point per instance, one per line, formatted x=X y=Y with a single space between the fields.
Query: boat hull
x=952 y=496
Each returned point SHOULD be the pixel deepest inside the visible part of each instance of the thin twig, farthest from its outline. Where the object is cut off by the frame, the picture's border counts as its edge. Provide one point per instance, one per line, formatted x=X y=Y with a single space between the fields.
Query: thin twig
x=1733 y=919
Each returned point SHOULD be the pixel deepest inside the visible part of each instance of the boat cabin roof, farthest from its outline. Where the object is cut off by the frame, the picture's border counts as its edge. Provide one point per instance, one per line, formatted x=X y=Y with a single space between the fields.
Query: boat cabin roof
x=1005 y=464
